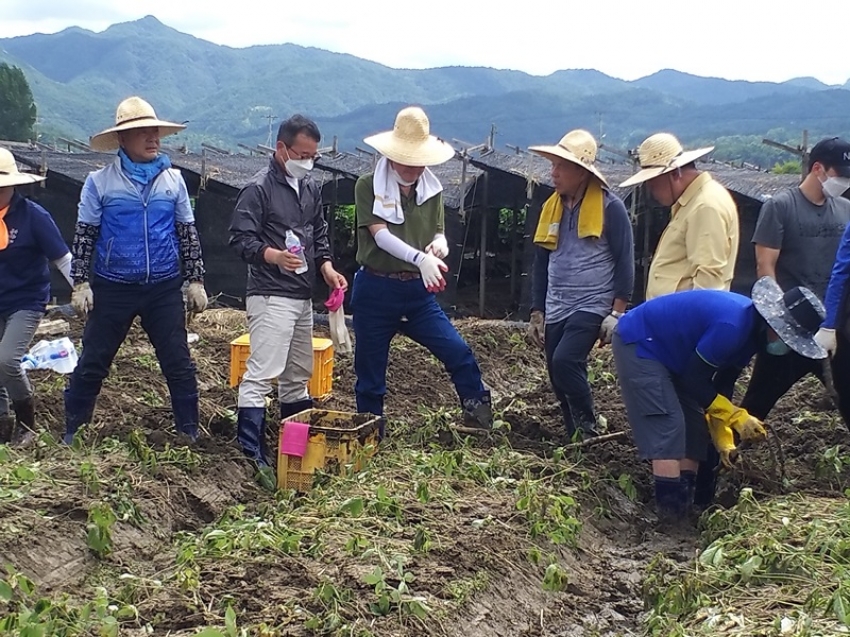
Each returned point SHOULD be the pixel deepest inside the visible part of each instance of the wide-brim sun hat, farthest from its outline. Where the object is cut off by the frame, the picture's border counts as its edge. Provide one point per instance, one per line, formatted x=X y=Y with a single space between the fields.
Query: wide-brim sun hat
x=10 y=175
x=795 y=315
x=410 y=142
x=660 y=154
x=578 y=146
x=133 y=112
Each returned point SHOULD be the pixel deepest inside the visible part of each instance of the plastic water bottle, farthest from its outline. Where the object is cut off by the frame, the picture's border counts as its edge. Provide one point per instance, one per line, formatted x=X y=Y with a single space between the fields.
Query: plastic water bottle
x=293 y=244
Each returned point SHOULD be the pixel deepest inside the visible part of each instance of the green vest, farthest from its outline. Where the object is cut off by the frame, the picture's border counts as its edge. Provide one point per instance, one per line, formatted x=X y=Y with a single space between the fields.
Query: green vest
x=420 y=225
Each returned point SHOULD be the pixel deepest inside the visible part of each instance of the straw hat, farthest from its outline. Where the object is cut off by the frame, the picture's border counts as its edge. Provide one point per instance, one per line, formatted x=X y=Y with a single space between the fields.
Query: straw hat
x=410 y=142
x=577 y=146
x=10 y=175
x=662 y=153
x=794 y=315
x=134 y=112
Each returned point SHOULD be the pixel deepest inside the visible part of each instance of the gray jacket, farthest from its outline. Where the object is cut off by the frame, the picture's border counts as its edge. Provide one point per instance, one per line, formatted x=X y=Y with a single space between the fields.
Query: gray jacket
x=265 y=209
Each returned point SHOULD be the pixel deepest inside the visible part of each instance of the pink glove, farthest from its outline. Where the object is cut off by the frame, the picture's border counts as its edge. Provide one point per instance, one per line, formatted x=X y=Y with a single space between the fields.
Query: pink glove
x=335 y=300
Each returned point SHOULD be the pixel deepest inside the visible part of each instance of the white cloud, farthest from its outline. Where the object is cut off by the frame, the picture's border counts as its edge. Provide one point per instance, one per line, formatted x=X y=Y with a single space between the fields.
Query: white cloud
x=735 y=39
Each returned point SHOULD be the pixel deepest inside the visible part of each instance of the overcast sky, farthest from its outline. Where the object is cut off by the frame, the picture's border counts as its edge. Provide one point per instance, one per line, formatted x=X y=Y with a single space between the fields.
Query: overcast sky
x=735 y=39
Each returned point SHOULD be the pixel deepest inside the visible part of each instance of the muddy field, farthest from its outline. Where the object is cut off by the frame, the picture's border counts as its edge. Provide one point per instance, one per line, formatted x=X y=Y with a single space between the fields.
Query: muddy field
x=508 y=534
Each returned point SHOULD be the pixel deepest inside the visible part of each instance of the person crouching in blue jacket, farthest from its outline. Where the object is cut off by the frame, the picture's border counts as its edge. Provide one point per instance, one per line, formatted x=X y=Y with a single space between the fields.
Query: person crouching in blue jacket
x=677 y=358
x=135 y=236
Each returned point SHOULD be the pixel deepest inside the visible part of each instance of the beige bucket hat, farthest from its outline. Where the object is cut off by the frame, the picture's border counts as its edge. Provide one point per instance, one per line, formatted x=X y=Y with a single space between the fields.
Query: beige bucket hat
x=410 y=141
x=577 y=146
x=9 y=173
x=662 y=153
x=133 y=112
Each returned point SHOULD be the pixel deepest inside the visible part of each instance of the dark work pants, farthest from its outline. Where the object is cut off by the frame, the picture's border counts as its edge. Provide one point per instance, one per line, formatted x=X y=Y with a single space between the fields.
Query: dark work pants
x=162 y=312
x=773 y=376
x=568 y=344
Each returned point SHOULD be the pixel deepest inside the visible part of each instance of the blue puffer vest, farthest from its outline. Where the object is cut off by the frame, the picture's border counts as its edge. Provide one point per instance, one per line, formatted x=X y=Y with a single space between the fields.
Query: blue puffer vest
x=138 y=241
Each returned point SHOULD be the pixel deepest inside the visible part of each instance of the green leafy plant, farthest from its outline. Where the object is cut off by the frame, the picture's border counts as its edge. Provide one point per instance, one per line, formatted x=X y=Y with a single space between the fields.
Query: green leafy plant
x=396 y=597
x=101 y=519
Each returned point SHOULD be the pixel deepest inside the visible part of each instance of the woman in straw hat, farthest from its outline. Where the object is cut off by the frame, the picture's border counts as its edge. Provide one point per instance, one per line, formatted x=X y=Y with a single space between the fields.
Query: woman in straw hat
x=135 y=236
x=700 y=244
x=667 y=369
x=29 y=239
x=401 y=247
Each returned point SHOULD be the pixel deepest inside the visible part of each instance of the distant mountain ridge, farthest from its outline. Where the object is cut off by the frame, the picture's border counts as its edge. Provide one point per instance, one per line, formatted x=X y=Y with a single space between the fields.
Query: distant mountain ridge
x=227 y=94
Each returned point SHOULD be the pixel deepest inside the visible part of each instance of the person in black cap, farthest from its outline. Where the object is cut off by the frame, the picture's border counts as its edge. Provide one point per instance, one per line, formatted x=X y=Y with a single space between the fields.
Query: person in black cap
x=796 y=239
x=668 y=372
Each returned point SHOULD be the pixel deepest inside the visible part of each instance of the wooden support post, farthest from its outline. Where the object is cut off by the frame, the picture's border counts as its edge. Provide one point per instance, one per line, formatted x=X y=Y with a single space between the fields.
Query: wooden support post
x=514 y=255
x=332 y=215
x=482 y=259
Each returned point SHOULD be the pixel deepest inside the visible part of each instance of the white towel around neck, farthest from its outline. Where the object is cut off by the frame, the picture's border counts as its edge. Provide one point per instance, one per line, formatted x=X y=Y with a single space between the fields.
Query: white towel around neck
x=387 y=193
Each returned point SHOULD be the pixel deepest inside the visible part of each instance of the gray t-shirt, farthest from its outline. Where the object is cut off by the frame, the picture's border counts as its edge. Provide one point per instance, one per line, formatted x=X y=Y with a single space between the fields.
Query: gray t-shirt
x=807 y=236
x=588 y=274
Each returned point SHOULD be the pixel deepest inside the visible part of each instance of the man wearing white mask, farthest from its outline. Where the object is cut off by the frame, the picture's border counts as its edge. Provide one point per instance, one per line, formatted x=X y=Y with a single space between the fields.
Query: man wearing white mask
x=281 y=204
x=401 y=247
x=796 y=240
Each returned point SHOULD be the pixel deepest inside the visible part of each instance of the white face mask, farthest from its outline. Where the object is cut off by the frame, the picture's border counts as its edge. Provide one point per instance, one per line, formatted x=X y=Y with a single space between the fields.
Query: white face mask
x=835 y=186
x=401 y=181
x=299 y=168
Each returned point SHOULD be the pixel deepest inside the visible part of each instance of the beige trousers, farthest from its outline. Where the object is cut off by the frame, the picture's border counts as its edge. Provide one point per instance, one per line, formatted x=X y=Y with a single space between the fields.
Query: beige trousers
x=281 y=332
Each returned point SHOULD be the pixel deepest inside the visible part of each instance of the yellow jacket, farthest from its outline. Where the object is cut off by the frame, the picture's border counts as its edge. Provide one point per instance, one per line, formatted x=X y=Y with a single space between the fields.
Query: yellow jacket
x=699 y=247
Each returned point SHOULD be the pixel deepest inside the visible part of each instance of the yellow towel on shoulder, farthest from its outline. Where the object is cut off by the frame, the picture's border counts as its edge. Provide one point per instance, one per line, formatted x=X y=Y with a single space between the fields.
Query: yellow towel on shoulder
x=590 y=217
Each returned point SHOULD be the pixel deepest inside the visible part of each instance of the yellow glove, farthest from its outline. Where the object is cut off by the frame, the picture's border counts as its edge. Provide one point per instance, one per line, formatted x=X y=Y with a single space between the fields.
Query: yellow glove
x=723 y=439
x=748 y=427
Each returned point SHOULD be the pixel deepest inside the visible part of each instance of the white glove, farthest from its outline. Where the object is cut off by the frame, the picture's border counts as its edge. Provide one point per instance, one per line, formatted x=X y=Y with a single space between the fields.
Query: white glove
x=82 y=299
x=432 y=270
x=439 y=247
x=196 y=297
x=606 y=330
x=825 y=337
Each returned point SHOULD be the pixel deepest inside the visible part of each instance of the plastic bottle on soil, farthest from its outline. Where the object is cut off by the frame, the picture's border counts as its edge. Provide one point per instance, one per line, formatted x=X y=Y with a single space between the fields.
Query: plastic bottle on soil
x=293 y=244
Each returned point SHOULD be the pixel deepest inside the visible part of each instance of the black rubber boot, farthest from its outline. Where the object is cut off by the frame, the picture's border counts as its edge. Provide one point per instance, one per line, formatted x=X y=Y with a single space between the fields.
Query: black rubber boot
x=23 y=433
x=7 y=423
x=78 y=411
x=290 y=409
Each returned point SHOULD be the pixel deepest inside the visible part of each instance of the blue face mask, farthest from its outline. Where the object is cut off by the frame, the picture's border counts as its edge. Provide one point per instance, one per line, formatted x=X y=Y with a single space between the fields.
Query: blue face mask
x=777 y=348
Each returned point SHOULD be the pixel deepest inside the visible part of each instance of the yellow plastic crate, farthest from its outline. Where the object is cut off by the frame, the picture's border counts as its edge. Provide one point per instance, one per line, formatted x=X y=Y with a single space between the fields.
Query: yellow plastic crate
x=336 y=438
x=321 y=382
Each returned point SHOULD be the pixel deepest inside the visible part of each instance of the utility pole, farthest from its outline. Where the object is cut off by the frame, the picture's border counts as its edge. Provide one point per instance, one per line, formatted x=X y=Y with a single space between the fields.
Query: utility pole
x=271 y=118
x=38 y=120
x=801 y=151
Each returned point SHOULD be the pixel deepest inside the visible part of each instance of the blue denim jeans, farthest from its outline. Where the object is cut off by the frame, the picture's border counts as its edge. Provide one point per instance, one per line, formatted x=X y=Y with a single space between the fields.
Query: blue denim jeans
x=383 y=307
